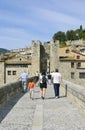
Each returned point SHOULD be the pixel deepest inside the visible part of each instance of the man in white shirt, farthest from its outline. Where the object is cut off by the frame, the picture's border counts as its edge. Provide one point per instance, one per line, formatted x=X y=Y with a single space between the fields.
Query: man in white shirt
x=56 y=78
x=24 y=78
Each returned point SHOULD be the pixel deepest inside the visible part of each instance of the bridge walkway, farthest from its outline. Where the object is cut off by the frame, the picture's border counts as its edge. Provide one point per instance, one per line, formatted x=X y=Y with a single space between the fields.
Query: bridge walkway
x=21 y=113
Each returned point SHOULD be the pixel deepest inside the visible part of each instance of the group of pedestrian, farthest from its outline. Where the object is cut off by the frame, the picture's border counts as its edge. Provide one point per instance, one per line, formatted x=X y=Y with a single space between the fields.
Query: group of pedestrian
x=54 y=78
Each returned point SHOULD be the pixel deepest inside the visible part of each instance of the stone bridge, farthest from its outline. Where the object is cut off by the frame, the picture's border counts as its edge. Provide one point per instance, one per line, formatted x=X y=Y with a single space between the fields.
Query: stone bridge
x=64 y=113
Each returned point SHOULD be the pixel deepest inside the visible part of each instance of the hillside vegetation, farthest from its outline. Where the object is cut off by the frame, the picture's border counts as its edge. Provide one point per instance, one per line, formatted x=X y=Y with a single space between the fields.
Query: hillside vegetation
x=2 y=50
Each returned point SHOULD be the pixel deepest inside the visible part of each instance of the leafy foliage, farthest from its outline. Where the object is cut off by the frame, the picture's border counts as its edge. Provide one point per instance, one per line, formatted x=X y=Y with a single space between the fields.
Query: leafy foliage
x=59 y=36
x=69 y=35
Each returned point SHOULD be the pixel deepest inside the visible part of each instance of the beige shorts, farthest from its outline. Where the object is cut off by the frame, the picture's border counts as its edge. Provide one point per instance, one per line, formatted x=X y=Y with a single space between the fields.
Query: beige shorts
x=31 y=90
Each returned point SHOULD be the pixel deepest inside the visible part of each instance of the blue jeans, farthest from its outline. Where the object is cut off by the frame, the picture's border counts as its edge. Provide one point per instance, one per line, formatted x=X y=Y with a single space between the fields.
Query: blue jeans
x=56 y=89
x=24 y=86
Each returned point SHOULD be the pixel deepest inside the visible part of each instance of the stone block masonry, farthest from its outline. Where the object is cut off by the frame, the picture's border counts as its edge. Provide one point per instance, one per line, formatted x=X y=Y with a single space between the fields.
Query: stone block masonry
x=75 y=94
x=35 y=57
x=9 y=90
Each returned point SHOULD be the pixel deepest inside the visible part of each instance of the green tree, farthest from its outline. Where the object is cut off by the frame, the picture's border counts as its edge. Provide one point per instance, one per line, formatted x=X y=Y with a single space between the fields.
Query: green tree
x=83 y=35
x=77 y=34
x=59 y=36
x=80 y=32
x=71 y=35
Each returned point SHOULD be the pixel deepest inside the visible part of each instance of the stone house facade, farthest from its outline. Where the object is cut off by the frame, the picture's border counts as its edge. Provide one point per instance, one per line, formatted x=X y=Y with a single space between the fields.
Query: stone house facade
x=45 y=57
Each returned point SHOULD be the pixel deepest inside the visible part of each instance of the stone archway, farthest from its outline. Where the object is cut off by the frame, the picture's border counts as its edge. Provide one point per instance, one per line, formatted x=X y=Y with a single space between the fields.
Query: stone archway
x=43 y=66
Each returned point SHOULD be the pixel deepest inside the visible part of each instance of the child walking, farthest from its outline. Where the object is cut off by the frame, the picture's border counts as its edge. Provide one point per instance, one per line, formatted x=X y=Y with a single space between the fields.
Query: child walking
x=31 y=86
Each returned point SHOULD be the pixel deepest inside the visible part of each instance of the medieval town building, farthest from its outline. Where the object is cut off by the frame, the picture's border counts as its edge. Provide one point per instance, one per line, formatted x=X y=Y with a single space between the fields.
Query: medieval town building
x=45 y=57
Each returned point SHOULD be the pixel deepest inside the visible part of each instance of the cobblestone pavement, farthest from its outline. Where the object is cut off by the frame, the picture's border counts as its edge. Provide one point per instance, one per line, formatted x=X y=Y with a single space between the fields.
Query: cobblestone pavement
x=21 y=113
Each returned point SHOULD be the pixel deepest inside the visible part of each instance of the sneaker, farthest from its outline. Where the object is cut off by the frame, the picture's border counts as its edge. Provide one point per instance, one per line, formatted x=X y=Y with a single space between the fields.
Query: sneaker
x=57 y=97
x=43 y=98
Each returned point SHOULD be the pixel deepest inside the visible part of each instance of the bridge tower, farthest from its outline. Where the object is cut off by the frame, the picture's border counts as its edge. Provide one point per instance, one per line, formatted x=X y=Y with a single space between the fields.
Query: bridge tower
x=54 y=55
x=35 y=57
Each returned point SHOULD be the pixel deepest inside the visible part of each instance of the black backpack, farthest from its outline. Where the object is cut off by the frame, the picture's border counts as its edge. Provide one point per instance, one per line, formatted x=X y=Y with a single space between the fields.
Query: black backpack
x=44 y=79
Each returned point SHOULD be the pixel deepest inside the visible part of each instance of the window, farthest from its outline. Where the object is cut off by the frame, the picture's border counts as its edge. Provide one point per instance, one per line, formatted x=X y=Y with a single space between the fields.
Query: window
x=9 y=72
x=72 y=64
x=72 y=75
x=82 y=75
x=78 y=57
x=78 y=64
x=67 y=50
x=14 y=72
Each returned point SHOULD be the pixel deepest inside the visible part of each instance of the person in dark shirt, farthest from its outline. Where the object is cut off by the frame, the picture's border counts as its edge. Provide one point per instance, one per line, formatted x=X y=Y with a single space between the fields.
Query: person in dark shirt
x=43 y=84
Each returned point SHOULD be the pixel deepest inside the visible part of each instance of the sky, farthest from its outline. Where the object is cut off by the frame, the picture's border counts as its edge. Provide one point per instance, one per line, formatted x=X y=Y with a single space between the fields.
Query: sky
x=22 y=21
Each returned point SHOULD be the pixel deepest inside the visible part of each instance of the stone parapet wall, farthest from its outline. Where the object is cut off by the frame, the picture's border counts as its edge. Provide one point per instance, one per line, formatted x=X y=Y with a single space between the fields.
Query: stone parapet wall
x=76 y=42
x=8 y=91
x=75 y=94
